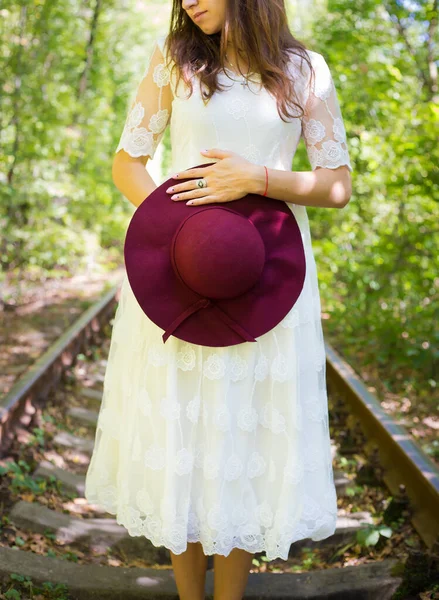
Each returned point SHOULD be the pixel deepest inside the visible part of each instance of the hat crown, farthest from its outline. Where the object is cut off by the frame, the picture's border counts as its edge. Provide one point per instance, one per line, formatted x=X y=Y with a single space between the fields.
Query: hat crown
x=218 y=253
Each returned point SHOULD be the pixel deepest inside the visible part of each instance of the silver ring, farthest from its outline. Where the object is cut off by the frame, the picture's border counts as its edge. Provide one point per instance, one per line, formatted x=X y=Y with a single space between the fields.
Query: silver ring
x=202 y=183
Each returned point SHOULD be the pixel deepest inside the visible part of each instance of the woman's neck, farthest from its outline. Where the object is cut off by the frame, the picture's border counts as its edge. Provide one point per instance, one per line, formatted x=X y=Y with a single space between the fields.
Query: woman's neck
x=234 y=61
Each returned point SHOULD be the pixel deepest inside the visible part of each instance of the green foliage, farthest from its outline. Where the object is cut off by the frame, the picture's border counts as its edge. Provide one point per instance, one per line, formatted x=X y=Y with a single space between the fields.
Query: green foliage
x=310 y=558
x=46 y=589
x=12 y=595
x=66 y=79
x=257 y=561
x=377 y=257
x=370 y=535
x=354 y=490
x=21 y=481
x=37 y=437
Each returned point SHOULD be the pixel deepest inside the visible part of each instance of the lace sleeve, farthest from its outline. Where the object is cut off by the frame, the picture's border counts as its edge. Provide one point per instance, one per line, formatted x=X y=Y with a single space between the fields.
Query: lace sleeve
x=151 y=108
x=322 y=125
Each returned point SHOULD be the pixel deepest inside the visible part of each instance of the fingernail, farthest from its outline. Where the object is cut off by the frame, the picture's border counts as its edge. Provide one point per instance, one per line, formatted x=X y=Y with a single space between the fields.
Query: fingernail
x=174 y=197
x=175 y=176
x=190 y=202
x=171 y=189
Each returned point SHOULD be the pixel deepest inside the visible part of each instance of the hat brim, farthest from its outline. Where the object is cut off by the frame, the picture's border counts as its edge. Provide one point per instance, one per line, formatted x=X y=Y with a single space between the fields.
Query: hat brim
x=163 y=297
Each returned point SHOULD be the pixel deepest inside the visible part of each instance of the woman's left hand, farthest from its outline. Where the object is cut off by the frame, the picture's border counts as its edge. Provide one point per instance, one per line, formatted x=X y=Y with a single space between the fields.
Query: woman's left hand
x=227 y=180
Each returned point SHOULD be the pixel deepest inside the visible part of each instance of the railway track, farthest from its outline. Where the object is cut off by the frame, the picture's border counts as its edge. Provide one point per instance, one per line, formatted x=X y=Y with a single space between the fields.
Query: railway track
x=56 y=544
x=24 y=400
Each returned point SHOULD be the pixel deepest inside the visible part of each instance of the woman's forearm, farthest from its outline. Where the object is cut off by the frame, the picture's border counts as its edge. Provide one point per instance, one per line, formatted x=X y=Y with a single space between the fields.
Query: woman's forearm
x=132 y=179
x=327 y=188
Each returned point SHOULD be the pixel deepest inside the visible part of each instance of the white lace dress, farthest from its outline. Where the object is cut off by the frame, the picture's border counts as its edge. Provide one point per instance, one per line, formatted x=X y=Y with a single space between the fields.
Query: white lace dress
x=228 y=446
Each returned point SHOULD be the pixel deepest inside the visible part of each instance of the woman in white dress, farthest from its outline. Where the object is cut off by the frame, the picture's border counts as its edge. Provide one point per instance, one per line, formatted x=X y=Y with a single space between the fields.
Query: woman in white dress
x=225 y=450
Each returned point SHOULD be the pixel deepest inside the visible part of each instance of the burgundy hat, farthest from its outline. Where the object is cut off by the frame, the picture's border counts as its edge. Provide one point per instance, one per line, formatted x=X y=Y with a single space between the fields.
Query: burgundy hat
x=214 y=274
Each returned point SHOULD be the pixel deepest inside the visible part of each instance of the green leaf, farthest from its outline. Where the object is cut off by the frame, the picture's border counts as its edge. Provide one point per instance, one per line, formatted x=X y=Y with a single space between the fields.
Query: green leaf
x=19 y=541
x=385 y=531
x=367 y=537
x=12 y=595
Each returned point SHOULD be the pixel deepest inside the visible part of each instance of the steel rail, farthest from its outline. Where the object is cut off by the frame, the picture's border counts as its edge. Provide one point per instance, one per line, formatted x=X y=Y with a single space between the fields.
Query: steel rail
x=402 y=459
x=27 y=394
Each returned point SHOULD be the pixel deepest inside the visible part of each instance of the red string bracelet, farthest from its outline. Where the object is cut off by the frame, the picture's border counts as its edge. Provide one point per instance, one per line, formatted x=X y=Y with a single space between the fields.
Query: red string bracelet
x=266 y=181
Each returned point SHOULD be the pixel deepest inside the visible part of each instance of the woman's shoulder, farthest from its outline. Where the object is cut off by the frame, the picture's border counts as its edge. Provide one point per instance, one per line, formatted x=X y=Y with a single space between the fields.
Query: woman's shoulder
x=320 y=79
x=300 y=72
x=161 y=43
x=161 y=39
x=299 y=63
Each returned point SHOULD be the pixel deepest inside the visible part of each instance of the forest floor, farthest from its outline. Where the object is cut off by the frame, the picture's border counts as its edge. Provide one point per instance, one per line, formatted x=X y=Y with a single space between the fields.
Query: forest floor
x=35 y=312
x=413 y=405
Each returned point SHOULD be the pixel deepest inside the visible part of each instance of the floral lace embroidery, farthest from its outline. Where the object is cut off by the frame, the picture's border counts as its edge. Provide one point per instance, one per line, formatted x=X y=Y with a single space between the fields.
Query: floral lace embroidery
x=271 y=418
x=264 y=514
x=315 y=131
x=184 y=461
x=216 y=517
x=186 y=358
x=248 y=419
x=214 y=367
x=280 y=369
x=323 y=128
x=161 y=75
x=262 y=368
x=269 y=530
x=237 y=107
x=157 y=356
x=238 y=368
x=193 y=409
x=256 y=465
x=155 y=458
x=143 y=131
x=265 y=530
x=233 y=467
x=294 y=472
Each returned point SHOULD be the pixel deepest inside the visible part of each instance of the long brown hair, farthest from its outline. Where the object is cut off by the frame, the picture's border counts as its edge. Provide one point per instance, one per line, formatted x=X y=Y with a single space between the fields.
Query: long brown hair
x=259 y=28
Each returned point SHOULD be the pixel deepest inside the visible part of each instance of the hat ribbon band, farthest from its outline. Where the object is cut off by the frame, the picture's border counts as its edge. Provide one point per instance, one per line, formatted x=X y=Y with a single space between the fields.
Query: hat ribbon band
x=204 y=303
